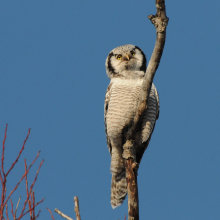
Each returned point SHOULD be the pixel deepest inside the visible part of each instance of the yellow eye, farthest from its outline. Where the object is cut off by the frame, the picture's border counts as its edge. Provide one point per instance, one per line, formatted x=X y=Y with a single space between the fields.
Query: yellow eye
x=119 y=57
x=132 y=53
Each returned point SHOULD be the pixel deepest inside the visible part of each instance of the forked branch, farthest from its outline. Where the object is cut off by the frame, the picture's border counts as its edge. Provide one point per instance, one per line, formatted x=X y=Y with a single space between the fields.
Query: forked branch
x=76 y=202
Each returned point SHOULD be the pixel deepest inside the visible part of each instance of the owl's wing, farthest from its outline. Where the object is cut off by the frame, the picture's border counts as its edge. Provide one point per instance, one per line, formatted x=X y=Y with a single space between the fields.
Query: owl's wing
x=107 y=98
x=151 y=114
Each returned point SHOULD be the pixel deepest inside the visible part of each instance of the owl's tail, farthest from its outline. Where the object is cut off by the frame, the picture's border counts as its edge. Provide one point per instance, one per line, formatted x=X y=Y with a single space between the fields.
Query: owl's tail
x=118 y=189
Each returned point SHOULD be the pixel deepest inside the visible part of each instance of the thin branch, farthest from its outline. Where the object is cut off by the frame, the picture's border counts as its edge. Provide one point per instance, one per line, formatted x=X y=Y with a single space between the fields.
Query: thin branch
x=21 y=179
x=38 y=214
x=32 y=185
x=63 y=215
x=26 y=183
x=17 y=206
x=33 y=202
x=19 y=153
x=35 y=179
x=51 y=214
x=3 y=202
x=76 y=202
x=30 y=193
x=2 y=176
x=7 y=211
x=12 y=212
x=3 y=151
x=29 y=210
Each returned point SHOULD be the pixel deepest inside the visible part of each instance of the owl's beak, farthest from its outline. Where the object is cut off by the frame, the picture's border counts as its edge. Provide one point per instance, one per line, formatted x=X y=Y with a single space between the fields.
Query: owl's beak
x=128 y=58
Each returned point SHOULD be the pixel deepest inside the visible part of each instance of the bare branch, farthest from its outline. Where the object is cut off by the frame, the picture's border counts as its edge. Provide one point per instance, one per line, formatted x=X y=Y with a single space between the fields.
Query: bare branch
x=17 y=206
x=33 y=203
x=19 y=153
x=38 y=214
x=63 y=215
x=12 y=212
x=160 y=22
x=76 y=201
x=30 y=193
x=129 y=155
x=51 y=214
x=29 y=210
x=35 y=179
x=7 y=211
x=26 y=183
x=32 y=185
x=21 y=179
x=3 y=151
x=2 y=176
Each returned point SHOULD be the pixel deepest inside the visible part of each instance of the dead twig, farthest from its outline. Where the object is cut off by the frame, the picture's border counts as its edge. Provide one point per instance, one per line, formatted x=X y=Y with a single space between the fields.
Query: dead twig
x=76 y=202
x=17 y=206
x=63 y=215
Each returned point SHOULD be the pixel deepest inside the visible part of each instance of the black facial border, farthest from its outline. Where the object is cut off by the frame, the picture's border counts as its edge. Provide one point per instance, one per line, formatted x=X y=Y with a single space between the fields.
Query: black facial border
x=144 y=64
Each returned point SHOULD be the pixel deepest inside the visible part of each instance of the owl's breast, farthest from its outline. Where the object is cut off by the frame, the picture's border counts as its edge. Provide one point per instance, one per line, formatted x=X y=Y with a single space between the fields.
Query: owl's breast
x=122 y=105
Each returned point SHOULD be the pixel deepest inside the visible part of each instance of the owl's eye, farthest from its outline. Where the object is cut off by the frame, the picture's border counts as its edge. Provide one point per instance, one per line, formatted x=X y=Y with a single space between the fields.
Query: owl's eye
x=119 y=56
x=132 y=53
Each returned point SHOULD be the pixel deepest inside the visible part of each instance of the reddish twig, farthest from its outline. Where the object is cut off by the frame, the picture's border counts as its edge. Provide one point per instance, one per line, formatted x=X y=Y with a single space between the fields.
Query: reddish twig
x=30 y=193
x=29 y=210
x=21 y=179
x=32 y=185
x=26 y=183
x=3 y=151
x=19 y=153
x=2 y=177
x=7 y=211
x=51 y=214
x=35 y=179
x=12 y=212
x=38 y=214
x=33 y=202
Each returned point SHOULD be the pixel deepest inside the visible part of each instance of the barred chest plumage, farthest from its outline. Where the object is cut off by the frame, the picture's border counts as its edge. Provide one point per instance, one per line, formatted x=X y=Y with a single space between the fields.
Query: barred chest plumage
x=122 y=105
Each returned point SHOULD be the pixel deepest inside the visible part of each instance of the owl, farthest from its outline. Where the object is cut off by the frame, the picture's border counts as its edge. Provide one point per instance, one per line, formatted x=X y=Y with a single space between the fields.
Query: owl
x=126 y=67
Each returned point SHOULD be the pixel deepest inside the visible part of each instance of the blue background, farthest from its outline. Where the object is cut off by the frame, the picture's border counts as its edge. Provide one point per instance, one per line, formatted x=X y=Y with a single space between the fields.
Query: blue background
x=53 y=80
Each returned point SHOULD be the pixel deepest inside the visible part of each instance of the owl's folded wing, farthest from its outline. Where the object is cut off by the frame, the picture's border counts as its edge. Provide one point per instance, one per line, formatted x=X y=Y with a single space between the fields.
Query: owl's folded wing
x=107 y=98
x=151 y=114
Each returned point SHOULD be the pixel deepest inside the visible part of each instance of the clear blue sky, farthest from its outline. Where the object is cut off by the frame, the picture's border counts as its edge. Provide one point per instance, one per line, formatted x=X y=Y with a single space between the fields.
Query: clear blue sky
x=53 y=80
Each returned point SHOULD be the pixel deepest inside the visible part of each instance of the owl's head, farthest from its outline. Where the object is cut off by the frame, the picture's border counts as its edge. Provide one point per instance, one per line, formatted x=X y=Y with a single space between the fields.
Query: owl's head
x=125 y=59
